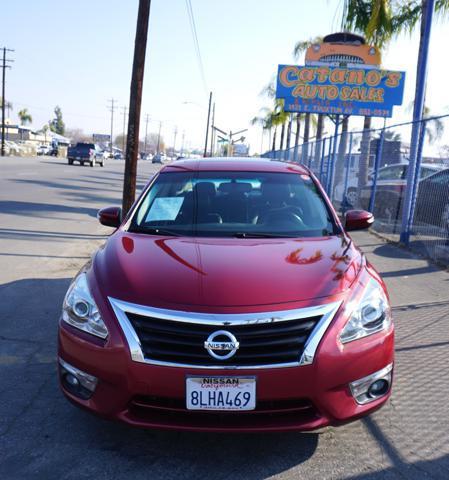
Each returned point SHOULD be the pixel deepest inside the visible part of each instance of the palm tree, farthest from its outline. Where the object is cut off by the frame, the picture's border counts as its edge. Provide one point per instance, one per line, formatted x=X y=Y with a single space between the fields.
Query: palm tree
x=265 y=120
x=299 y=48
x=279 y=117
x=24 y=116
x=8 y=105
x=434 y=126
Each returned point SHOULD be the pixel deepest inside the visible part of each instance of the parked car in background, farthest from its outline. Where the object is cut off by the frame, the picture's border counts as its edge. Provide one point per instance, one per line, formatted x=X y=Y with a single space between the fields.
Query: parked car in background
x=432 y=202
x=43 y=149
x=85 y=153
x=230 y=298
x=13 y=148
x=391 y=183
x=159 y=158
x=101 y=155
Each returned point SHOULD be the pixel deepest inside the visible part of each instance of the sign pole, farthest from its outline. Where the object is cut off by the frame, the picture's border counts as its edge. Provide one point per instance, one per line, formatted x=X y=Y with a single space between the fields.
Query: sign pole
x=332 y=161
x=348 y=167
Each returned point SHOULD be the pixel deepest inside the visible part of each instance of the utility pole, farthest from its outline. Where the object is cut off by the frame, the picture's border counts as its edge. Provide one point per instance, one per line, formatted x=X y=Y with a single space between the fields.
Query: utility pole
x=135 y=104
x=124 y=109
x=147 y=119
x=159 y=138
x=4 y=67
x=207 y=126
x=174 y=141
x=112 y=108
x=212 y=133
x=182 y=143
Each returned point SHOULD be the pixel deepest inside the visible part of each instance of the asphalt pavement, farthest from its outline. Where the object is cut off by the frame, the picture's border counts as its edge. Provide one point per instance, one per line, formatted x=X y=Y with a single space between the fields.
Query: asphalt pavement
x=48 y=230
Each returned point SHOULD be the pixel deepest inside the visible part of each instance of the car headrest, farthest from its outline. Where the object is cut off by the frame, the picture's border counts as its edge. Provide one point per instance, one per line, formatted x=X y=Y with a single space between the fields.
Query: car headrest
x=275 y=192
x=205 y=189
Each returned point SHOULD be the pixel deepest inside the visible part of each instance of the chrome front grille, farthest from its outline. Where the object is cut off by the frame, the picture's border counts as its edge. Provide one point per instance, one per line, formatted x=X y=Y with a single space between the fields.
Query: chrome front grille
x=266 y=340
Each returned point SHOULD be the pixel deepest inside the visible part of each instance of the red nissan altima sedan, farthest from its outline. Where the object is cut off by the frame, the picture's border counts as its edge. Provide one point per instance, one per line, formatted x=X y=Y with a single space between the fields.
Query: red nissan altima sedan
x=230 y=298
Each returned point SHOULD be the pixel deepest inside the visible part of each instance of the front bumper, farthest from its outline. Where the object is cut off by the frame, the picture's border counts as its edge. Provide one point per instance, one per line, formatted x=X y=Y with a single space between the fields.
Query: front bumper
x=299 y=398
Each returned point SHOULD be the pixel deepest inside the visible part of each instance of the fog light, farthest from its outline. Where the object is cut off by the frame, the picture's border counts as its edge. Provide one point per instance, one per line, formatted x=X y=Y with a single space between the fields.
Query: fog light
x=372 y=387
x=378 y=388
x=77 y=382
x=71 y=380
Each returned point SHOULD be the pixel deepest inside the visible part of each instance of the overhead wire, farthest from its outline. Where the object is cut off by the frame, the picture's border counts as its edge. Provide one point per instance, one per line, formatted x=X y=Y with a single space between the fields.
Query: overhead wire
x=196 y=43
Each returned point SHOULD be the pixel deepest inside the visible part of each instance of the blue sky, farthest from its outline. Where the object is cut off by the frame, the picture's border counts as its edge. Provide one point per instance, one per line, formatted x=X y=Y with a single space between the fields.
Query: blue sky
x=79 y=55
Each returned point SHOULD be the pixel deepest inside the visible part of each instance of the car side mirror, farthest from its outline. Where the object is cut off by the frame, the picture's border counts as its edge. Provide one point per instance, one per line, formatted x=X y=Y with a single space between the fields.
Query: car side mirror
x=358 y=220
x=110 y=216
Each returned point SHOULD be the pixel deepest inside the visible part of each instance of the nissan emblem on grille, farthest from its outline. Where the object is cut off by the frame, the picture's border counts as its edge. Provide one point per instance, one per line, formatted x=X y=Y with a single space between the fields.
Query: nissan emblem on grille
x=212 y=346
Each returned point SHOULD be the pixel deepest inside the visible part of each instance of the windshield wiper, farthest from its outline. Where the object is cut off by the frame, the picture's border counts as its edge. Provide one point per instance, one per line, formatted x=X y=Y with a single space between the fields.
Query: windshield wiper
x=154 y=231
x=261 y=235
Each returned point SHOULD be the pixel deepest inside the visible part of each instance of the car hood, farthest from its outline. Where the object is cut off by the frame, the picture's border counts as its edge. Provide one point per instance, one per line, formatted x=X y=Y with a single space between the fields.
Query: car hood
x=172 y=272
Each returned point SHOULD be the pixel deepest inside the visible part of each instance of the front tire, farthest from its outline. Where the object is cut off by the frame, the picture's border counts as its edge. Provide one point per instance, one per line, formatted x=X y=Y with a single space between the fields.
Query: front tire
x=92 y=163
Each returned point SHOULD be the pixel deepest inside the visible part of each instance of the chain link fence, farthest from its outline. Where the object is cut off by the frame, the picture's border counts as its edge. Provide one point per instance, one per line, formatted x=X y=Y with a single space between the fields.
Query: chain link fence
x=369 y=170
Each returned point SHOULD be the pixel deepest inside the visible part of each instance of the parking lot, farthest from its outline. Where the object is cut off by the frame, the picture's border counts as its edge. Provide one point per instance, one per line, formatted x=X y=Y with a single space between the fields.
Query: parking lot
x=48 y=230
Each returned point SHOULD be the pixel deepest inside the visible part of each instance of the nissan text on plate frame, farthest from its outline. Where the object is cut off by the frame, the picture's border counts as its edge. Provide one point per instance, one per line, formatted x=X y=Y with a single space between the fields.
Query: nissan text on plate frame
x=230 y=298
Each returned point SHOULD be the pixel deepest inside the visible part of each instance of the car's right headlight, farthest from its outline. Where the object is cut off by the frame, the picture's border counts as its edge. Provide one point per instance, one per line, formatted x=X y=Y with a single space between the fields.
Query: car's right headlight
x=370 y=314
x=80 y=310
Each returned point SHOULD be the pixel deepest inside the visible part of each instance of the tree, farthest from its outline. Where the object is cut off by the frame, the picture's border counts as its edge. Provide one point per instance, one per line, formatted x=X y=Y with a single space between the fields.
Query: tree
x=45 y=130
x=8 y=105
x=380 y=21
x=265 y=120
x=57 y=125
x=24 y=117
x=76 y=135
x=279 y=117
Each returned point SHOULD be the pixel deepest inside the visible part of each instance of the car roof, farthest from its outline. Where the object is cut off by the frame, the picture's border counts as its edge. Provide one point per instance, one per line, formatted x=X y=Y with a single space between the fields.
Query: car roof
x=435 y=166
x=235 y=164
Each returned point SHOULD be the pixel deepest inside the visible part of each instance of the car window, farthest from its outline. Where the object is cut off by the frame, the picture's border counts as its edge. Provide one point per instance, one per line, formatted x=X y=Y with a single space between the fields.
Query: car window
x=426 y=171
x=224 y=204
x=441 y=178
x=397 y=172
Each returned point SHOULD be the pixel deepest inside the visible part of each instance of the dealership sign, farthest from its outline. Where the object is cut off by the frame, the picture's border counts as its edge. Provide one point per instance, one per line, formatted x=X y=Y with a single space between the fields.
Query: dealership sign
x=101 y=137
x=339 y=90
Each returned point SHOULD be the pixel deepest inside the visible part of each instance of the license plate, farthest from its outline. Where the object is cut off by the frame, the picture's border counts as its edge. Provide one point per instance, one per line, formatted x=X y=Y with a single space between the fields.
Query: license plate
x=221 y=393
x=78 y=158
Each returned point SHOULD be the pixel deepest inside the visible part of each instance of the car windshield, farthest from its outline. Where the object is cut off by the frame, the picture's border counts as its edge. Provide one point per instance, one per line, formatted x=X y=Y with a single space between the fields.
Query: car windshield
x=234 y=204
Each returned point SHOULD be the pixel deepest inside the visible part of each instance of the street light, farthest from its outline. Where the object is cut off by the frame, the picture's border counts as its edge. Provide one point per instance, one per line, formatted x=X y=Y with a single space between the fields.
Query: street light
x=208 y=120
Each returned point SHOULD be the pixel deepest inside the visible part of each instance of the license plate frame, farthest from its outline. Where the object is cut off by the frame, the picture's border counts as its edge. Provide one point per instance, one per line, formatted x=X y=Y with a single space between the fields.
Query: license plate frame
x=223 y=393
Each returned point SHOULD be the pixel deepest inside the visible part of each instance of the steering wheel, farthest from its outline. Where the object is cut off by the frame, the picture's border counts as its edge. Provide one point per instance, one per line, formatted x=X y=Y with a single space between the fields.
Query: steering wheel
x=284 y=215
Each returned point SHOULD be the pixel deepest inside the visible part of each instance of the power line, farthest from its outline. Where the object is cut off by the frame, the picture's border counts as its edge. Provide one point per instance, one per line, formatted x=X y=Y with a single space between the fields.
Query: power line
x=4 y=66
x=196 y=43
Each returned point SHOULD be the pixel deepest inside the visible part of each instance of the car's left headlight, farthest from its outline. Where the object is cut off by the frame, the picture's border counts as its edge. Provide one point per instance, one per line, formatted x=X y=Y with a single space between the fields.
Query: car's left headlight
x=81 y=311
x=370 y=314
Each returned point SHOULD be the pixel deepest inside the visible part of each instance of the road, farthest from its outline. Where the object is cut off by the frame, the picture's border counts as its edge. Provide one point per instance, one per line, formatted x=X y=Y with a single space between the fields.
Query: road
x=48 y=230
